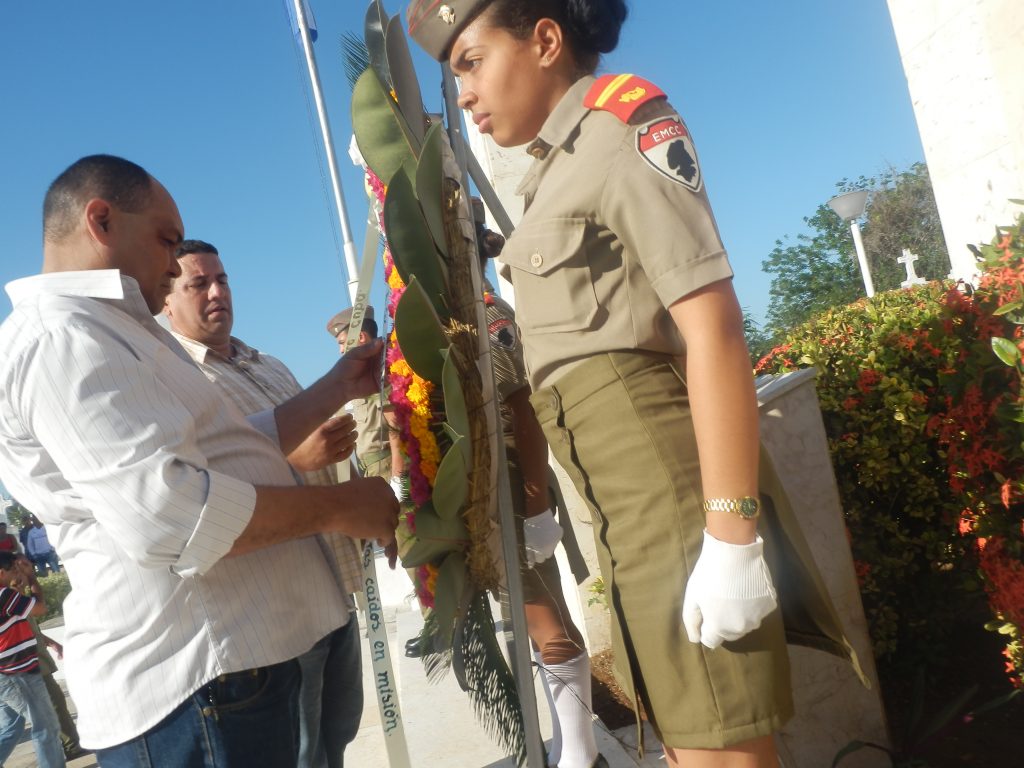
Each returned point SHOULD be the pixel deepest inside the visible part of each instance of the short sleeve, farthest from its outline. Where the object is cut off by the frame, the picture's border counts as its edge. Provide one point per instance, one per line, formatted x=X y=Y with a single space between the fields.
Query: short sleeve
x=657 y=205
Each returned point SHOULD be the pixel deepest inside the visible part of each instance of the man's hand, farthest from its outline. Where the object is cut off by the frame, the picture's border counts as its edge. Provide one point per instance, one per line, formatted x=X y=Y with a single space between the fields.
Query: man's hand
x=366 y=508
x=541 y=534
x=331 y=442
x=359 y=370
x=729 y=592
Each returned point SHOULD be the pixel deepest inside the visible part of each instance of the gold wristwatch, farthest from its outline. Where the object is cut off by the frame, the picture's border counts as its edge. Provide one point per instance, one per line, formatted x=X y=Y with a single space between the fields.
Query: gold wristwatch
x=747 y=507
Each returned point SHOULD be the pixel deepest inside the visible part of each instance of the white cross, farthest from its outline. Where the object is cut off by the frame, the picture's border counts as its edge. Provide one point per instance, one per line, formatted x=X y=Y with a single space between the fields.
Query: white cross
x=907 y=260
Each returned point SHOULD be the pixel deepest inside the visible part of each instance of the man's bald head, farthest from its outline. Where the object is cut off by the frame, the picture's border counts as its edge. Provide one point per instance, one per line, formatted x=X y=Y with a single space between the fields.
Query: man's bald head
x=120 y=182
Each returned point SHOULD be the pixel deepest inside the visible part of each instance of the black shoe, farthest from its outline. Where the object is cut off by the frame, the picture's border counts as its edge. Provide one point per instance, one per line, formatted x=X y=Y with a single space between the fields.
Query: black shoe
x=413 y=648
x=600 y=762
x=73 y=753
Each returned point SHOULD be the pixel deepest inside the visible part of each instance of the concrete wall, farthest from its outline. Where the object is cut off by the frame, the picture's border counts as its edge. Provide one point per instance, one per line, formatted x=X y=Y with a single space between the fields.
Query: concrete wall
x=964 y=61
x=832 y=707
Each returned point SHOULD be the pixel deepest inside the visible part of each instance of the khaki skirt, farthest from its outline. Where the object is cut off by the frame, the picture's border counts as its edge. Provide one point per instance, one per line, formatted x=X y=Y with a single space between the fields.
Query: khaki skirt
x=620 y=426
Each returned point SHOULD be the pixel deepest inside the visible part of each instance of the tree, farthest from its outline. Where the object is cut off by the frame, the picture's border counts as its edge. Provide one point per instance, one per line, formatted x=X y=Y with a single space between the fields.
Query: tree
x=820 y=270
x=903 y=214
x=813 y=274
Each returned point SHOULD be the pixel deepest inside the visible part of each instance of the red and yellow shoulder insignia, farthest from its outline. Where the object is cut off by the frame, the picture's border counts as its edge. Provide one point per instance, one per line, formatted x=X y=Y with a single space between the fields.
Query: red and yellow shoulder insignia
x=621 y=95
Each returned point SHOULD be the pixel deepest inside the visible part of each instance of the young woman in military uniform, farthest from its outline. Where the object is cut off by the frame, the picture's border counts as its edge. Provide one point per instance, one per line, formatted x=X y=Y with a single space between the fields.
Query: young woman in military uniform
x=636 y=355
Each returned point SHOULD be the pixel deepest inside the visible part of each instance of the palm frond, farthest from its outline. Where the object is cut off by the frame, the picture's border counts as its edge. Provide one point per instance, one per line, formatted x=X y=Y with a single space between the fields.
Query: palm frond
x=355 y=55
x=437 y=655
x=488 y=680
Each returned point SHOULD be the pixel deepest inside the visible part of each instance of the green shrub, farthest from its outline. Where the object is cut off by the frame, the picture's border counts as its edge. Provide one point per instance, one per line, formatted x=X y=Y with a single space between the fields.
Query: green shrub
x=922 y=394
x=879 y=363
x=56 y=587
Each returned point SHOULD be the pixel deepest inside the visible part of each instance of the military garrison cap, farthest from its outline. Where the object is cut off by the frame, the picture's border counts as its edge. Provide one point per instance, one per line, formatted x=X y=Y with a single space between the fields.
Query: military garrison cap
x=340 y=321
x=434 y=24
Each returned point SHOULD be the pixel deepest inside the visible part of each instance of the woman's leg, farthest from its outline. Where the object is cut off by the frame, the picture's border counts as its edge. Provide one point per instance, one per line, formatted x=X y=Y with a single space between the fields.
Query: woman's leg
x=566 y=668
x=756 y=753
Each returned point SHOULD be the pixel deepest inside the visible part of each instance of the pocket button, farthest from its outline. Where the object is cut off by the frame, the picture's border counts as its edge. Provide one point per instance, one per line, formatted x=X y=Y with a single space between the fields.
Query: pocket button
x=536 y=260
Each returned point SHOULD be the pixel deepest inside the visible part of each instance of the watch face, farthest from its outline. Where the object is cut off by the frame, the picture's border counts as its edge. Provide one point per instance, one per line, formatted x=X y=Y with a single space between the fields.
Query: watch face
x=748 y=507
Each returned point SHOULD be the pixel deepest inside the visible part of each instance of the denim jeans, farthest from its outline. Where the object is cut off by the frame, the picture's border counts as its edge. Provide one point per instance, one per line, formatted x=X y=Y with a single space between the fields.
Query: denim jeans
x=46 y=561
x=25 y=694
x=239 y=720
x=331 y=702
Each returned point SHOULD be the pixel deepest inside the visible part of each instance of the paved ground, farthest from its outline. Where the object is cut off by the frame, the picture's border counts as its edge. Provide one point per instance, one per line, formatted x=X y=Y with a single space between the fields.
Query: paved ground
x=441 y=729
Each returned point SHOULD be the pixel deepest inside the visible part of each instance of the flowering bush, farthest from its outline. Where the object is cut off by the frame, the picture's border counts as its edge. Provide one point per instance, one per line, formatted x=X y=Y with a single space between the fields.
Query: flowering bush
x=879 y=364
x=921 y=394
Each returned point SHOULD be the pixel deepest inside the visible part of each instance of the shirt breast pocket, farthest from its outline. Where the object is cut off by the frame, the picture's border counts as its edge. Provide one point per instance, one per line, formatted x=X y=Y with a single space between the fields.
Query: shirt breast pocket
x=551 y=275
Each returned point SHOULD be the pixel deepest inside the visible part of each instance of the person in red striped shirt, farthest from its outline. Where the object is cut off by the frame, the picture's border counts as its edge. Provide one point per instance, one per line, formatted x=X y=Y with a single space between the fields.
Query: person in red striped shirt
x=22 y=689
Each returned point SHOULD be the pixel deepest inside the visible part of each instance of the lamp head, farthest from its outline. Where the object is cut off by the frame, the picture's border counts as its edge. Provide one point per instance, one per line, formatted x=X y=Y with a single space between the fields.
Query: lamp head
x=849 y=205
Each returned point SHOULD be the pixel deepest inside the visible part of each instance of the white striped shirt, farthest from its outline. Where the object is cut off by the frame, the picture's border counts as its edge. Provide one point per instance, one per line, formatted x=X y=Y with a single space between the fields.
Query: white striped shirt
x=256 y=381
x=143 y=472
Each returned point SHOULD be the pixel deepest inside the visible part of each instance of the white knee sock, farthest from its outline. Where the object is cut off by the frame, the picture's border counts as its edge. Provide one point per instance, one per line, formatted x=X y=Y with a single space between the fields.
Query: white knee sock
x=555 y=752
x=569 y=685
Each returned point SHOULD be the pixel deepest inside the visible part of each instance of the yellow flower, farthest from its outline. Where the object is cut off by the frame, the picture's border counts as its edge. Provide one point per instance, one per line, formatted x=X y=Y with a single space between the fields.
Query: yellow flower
x=401 y=368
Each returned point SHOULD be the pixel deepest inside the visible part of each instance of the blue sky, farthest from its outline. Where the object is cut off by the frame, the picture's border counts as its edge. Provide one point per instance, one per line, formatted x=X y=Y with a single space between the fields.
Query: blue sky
x=784 y=99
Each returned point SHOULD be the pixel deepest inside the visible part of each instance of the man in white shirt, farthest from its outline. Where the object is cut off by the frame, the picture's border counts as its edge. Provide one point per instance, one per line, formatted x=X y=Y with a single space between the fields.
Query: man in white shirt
x=196 y=580
x=201 y=315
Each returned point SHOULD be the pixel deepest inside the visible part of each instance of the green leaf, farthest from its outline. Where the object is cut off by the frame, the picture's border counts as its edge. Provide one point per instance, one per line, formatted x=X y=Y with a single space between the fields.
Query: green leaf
x=430 y=184
x=412 y=246
x=383 y=138
x=1006 y=350
x=452 y=484
x=434 y=538
x=1008 y=308
x=403 y=79
x=455 y=410
x=420 y=334
x=375 y=23
x=451 y=580
x=434 y=527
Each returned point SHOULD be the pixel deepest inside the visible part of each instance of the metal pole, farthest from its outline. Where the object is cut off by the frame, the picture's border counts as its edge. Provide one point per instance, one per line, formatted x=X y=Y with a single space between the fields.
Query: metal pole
x=519 y=645
x=862 y=258
x=332 y=162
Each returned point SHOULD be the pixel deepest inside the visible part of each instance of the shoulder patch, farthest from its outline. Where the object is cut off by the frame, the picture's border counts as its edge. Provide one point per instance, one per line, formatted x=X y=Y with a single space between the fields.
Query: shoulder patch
x=621 y=95
x=666 y=146
x=503 y=332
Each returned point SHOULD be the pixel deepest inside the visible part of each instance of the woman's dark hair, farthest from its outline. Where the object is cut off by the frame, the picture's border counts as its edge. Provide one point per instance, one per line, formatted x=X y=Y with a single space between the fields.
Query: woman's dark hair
x=591 y=26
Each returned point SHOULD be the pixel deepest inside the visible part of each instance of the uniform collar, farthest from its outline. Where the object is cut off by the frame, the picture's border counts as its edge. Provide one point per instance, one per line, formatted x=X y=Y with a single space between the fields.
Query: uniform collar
x=563 y=120
x=107 y=284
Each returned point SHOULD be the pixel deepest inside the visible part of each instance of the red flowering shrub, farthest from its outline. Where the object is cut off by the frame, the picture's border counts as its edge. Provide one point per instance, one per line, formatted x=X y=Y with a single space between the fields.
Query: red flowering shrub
x=879 y=363
x=925 y=427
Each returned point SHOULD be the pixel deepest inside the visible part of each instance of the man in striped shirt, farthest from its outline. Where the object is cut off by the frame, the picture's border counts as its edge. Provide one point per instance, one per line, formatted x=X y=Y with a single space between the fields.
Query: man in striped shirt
x=201 y=315
x=196 y=576
x=22 y=689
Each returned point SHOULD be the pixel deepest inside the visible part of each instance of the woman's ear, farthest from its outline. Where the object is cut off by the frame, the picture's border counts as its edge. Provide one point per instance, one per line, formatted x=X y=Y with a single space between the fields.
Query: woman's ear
x=549 y=40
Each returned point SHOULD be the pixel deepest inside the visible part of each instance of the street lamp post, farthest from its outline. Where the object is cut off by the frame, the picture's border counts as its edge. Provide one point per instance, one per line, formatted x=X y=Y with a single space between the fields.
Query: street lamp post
x=849 y=207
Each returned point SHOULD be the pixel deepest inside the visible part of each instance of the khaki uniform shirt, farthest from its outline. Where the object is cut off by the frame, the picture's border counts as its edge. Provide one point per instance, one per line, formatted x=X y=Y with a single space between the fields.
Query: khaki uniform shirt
x=373 y=439
x=611 y=237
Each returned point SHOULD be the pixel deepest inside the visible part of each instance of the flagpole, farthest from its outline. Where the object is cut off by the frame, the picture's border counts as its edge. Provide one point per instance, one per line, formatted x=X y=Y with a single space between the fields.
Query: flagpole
x=332 y=161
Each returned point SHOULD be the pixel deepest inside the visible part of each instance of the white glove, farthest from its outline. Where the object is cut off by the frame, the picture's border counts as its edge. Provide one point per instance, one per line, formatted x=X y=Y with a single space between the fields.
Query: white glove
x=541 y=535
x=729 y=592
x=398 y=487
